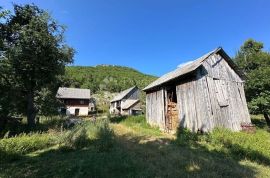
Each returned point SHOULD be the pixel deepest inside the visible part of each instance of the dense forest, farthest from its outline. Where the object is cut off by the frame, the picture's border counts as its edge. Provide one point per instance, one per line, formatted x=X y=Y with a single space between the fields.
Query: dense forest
x=105 y=78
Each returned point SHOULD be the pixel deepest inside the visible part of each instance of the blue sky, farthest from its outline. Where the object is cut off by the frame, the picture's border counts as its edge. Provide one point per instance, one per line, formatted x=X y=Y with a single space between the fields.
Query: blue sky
x=155 y=36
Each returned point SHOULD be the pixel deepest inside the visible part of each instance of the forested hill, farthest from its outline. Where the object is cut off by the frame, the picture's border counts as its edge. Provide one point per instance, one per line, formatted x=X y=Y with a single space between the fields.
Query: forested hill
x=106 y=78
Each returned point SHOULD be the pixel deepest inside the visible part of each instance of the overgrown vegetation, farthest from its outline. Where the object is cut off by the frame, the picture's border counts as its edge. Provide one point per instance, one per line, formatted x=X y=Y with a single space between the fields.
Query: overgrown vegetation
x=238 y=145
x=46 y=124
x=78 y=137
x=129 y=147
x=138 y=124
x=13 y=148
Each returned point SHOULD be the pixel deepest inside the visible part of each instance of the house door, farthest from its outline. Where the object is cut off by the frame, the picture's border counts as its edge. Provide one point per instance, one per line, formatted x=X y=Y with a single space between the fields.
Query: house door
x=77 y=112
x=63 y=111
x=171 y=118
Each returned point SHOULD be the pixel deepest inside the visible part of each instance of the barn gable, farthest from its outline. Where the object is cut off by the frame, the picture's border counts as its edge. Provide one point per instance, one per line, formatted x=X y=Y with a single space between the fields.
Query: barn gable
x=125 y=101
x=207 y=61
x=128 y=93
x=220 y=67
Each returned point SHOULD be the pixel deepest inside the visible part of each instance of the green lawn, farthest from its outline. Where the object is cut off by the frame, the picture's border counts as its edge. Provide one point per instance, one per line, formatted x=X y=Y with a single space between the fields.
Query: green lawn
x=129 y=147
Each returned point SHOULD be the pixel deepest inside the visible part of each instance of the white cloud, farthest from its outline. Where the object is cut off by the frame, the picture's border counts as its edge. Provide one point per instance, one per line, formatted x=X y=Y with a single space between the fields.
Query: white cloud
x=183 y=64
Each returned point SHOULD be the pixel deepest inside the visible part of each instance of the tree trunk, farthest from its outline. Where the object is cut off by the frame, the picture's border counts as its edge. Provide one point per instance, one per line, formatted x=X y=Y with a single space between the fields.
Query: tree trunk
x=31 y=111
x=267 y=119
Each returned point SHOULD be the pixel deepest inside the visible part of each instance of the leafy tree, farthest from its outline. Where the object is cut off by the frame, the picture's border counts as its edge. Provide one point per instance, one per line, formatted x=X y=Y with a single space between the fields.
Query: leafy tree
x=5 y=82
x=46 y=103
x=34 y=57
x=106 y=78
x=256 y=64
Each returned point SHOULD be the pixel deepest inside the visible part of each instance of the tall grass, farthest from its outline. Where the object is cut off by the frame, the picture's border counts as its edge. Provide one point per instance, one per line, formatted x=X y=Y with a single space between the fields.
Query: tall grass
x=254 y=147
x=95 y=151
x=238 y=145
x=51 y=124
x=104 y=137
x=13 y=148
x=81 y=136
x=97 y=133
x=138 y=124
x=76 y=138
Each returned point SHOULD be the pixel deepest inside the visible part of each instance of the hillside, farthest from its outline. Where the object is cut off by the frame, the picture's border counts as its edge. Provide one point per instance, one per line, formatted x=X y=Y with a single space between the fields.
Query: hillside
x=106 y=78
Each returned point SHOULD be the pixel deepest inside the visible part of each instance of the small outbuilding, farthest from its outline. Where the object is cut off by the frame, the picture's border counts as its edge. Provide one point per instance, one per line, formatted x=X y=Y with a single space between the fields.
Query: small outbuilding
x=76 y=101
x=126 y=102
x=201 y=95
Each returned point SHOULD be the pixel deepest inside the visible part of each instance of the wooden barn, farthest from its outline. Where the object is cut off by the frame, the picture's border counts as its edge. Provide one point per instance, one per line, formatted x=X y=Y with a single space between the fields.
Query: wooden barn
x=126 y=102
x=201 y=95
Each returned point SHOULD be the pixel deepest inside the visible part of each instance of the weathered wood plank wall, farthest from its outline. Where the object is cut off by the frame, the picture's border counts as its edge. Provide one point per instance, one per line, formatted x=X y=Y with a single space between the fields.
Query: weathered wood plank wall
x=135 y=94
x=155 y=108
x=214 y=99
x=194 y=104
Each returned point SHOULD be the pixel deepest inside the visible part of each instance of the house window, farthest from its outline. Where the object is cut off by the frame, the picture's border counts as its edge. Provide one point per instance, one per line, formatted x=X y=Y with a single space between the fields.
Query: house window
x=81 y=101
x=222 y=94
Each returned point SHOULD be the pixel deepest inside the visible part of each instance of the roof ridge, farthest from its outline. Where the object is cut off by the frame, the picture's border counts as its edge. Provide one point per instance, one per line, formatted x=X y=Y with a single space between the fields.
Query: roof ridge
x=122 y=94
x=74 y=88
x=181 y=71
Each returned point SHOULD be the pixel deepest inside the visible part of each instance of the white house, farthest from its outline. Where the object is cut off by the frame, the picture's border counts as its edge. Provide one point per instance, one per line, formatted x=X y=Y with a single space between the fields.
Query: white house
x=76 y=101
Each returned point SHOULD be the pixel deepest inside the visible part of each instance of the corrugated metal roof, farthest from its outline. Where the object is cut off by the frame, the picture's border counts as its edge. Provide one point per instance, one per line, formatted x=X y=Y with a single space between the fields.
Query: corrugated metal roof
x=73 y=93
x=129 y=103
x=121 y=95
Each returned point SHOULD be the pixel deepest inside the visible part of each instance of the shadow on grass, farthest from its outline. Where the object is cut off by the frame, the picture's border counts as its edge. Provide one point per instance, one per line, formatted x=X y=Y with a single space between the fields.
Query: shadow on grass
x=117 y=119
x=260 y=123
x=130 y=156
x=43 y=126
x=235 y=151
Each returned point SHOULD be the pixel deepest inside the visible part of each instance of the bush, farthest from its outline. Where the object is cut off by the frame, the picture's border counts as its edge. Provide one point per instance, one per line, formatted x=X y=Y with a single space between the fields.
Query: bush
x=24 y=143
x=76 y=138
x=104 y=136
x=185 y=137
x=52 y=123
x=83 y=135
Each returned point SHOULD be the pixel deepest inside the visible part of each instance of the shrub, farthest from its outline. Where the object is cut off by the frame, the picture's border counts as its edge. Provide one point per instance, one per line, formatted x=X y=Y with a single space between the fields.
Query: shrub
x=24 y=143
x=74 y=139
x=53 y=123
x=185 y=137
x=104 y=136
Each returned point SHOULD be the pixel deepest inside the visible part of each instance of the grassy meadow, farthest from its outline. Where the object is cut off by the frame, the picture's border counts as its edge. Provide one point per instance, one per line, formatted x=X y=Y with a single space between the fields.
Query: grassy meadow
x=129 y=147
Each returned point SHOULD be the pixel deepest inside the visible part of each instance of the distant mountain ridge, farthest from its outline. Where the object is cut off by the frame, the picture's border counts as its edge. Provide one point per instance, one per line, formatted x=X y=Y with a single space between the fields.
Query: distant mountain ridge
x=103 y=77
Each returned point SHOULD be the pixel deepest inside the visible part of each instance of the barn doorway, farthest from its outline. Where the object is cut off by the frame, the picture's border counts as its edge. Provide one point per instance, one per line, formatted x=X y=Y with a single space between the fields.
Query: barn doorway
x=171 y=118
x=77 y=112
